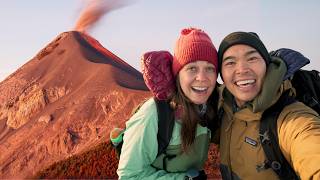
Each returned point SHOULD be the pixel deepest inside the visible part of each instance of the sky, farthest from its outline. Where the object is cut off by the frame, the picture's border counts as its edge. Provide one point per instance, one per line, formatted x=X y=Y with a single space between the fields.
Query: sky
x=148 y=25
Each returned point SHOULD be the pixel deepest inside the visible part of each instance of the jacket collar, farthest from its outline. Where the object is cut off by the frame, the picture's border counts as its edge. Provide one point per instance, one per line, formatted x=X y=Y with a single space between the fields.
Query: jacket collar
x=273 y=86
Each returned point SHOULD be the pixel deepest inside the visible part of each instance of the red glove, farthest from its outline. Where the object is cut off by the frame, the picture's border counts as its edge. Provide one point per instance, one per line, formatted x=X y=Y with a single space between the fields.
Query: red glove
x=157 y=73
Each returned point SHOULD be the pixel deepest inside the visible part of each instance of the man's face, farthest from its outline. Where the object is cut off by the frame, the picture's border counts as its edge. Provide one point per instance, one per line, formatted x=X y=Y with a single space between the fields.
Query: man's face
x=243 y=70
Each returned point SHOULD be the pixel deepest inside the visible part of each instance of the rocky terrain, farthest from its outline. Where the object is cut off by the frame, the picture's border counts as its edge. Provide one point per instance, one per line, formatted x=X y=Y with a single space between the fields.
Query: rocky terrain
x=57 y=110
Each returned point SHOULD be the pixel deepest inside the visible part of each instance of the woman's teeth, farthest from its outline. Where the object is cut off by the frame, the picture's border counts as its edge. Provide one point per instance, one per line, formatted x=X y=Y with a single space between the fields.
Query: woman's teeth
x=199 y=89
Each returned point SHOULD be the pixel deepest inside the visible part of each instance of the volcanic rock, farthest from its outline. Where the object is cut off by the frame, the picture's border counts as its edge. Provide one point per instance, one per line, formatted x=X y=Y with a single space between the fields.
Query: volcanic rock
x=78 y=88
x=57 y=110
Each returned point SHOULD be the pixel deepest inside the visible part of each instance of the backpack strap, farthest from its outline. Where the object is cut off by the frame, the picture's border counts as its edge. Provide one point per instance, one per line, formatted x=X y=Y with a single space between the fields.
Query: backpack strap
x=165 y=129
x=268 y=133
x=165 y=124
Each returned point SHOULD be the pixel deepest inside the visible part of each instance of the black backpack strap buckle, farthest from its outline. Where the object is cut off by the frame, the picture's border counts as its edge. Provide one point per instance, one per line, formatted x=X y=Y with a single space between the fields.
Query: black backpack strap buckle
x=275 y=165
x=164 y=161
x=264 y=137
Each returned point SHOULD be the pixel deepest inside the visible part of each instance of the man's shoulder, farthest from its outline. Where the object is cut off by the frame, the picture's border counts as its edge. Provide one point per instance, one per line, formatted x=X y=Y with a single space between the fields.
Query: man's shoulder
x=297 y=113
x=299 y=108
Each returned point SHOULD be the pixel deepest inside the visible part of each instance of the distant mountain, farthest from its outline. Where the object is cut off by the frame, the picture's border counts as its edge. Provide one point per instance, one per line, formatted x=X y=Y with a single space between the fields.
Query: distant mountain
x=57 y=110
x=62 y=102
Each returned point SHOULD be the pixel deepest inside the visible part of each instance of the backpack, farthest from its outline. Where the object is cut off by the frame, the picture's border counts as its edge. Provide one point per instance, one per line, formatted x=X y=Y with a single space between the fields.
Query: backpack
x=307 y=85
x=165 y=128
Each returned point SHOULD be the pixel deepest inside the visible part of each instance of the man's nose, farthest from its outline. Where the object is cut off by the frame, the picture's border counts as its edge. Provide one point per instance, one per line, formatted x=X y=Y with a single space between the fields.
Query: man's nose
x=242 y=67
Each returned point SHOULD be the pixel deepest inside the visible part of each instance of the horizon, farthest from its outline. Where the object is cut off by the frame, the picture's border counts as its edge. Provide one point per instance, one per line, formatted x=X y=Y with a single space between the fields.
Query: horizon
x=29 y=26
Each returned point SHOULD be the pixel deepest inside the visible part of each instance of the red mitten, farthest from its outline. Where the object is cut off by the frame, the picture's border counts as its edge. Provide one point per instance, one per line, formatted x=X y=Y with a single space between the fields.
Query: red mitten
x=157 y=73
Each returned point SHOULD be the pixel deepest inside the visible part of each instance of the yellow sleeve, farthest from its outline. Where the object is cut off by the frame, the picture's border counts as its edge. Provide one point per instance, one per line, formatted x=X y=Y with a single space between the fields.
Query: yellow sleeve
x=299 y=139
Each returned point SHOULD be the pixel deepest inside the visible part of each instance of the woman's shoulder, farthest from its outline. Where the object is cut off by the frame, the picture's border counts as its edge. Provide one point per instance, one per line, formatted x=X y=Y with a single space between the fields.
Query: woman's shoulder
x=148 y=104
x=145 y=113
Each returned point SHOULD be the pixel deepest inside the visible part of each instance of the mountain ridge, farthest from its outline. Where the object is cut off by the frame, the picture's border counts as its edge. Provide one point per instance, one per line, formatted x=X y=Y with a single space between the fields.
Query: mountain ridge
x=63 y=101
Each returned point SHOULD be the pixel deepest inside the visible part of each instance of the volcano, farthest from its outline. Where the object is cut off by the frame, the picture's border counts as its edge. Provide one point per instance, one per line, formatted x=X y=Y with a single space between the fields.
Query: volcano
x=58 y=109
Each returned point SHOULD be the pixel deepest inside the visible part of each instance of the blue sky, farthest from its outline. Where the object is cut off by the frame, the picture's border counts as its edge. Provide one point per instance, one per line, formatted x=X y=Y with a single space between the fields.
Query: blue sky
x=145 y=25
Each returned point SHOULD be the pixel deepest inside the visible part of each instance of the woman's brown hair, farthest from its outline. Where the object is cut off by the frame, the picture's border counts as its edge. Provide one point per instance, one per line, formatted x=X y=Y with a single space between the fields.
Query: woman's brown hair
x=190 y=115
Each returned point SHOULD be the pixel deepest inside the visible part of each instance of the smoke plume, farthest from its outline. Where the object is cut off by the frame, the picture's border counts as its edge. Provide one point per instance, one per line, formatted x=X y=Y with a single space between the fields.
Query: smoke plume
x=94 y=10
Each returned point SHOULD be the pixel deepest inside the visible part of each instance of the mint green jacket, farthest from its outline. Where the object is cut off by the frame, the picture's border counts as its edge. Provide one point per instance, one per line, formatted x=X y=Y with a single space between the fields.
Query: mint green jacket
x=138 y=157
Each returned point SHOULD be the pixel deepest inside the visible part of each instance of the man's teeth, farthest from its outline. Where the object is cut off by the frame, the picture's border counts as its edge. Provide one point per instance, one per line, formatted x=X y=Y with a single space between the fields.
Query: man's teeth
x=245 y=82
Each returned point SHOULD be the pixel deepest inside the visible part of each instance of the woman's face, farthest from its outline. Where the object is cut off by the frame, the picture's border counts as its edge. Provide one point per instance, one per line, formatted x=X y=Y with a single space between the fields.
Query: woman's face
x=198 y=80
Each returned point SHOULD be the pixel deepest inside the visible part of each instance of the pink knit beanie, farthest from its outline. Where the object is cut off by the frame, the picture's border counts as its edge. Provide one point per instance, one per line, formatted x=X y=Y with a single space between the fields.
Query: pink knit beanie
x=193 y=45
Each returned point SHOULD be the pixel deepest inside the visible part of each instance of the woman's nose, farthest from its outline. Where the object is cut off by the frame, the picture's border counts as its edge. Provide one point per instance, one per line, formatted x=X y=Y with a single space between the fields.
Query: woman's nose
x=202 y=75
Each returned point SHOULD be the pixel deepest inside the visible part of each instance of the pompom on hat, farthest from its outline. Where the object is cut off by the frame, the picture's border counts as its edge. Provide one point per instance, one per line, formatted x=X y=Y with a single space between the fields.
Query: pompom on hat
x=193 y=45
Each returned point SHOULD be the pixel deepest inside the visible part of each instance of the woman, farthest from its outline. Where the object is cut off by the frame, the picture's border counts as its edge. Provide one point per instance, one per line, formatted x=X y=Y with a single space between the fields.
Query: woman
x=194 y=68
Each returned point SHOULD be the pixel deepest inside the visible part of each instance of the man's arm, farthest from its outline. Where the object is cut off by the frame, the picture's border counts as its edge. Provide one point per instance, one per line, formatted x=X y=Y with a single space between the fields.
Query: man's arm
x=299 y=139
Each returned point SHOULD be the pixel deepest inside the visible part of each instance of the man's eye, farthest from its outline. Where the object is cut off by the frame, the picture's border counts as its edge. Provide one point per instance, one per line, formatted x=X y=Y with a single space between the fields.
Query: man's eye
x=229 y=63
x=254 y=58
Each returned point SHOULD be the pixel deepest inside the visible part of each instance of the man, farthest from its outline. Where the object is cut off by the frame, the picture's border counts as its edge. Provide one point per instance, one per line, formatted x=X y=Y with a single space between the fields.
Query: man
x=253 y=82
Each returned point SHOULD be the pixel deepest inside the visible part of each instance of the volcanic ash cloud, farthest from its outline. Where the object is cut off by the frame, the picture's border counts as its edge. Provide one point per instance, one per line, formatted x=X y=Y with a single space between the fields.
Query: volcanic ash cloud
x=94 y=10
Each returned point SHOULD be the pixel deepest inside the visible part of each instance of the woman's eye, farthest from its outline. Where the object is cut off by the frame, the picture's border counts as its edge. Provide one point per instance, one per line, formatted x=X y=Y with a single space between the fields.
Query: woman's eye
x=211 y=69
x=192 y=69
